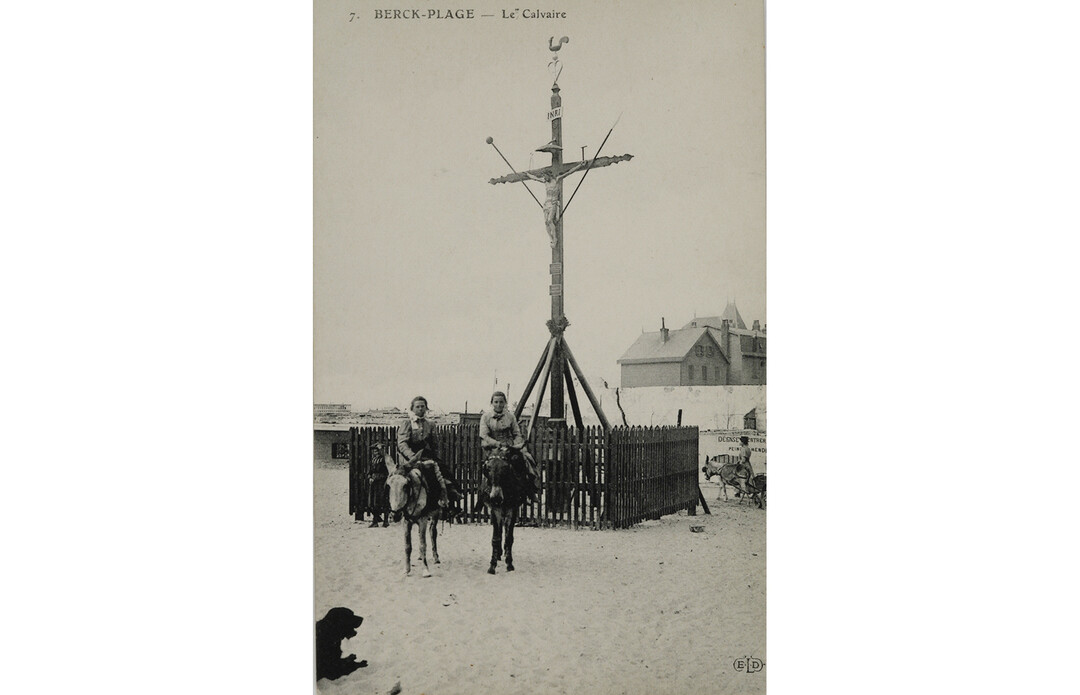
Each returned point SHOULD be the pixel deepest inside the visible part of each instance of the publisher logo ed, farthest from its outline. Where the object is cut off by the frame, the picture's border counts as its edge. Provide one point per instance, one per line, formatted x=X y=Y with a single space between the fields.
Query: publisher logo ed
x=748 y=664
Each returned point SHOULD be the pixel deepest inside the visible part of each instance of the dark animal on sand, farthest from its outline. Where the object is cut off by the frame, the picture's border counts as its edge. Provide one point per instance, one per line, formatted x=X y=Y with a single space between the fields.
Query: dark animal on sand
x=338 y=624
x=758 y=485
x=508 y=491
x=413 y=496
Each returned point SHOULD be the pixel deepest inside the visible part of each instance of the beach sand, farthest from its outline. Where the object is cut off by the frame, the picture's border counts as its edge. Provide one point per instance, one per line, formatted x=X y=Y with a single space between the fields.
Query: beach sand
x=653 y=609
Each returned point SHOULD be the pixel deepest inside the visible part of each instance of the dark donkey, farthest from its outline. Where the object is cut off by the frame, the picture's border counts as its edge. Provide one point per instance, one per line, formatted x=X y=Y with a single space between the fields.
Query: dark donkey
x=508 y=491
x=412 y=495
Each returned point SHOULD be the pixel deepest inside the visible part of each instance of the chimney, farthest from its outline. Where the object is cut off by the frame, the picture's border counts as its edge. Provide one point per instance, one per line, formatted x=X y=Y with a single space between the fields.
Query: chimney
x=757 y=325
x=663 y=331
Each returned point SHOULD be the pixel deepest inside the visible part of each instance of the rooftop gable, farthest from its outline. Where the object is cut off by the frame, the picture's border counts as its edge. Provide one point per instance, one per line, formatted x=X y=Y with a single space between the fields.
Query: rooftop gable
x=650 y=347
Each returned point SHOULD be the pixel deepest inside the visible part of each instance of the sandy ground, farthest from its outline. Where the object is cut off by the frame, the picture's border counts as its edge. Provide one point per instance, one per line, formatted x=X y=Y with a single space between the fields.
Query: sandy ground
x=654 y=609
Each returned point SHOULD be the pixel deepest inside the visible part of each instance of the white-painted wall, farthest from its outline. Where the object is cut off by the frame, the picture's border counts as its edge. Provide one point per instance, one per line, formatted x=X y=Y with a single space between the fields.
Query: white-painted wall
x=705 y=407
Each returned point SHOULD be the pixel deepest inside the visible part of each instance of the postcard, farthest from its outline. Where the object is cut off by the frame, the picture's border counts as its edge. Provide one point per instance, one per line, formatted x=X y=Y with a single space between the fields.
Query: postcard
x=540 y=347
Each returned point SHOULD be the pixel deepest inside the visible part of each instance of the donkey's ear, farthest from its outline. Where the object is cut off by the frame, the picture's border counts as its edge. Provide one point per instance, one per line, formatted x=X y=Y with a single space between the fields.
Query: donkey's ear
x=391 y=467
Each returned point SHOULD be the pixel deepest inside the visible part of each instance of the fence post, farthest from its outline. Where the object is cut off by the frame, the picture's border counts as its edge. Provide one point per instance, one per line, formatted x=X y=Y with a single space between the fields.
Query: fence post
x=353 y=462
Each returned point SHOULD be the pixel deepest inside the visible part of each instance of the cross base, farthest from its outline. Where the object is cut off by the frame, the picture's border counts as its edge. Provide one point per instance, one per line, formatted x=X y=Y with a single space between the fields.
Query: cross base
x=557 y=351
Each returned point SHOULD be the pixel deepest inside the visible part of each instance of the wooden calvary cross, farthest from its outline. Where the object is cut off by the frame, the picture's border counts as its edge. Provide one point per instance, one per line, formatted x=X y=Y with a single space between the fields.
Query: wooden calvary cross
x=557 y=360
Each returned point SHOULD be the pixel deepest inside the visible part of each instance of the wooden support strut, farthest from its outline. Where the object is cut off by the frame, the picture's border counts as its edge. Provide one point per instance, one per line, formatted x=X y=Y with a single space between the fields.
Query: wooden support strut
x=573 y=396
x=585 y=385
x=532 y=382
x=543 y=387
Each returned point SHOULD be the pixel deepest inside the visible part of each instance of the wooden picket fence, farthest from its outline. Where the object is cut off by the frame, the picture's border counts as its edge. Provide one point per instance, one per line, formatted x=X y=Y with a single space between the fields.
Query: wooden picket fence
x=590 y=478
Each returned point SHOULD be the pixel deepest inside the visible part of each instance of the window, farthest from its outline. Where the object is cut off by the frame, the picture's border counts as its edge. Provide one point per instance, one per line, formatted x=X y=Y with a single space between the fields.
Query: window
x=708 y=351
x=339 y=450
x=704 y=373
x=690 y=373
x=700 y=350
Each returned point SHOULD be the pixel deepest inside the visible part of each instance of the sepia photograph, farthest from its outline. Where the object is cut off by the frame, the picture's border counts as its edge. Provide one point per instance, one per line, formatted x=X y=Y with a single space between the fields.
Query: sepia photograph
x=423 y=349
x=540 y=332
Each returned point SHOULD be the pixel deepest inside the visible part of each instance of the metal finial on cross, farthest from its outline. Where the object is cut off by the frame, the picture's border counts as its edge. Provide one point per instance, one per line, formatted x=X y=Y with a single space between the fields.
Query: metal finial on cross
x=557 y=360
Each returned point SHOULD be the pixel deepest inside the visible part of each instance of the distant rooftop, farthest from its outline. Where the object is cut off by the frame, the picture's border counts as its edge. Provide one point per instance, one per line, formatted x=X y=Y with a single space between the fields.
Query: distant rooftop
x=731 y=312
x=651 y=347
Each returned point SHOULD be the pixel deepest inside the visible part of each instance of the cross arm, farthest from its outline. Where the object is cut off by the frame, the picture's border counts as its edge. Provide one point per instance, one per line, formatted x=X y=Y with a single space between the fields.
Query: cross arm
x=521 y=176
x=604 y=161
x=561 y=169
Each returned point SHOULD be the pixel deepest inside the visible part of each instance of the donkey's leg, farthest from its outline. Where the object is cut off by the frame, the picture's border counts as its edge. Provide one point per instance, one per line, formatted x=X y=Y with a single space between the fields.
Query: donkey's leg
x=496 y=539
x=435 y=537
x=407 y=525
x=423 y=525
x=510 y=519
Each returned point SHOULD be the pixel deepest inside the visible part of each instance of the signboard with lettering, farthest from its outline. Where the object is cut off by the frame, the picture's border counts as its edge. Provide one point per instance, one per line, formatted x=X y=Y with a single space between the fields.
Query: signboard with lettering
x=554 y=113
x=555 y=268
x=556 y=290
x=713 y=442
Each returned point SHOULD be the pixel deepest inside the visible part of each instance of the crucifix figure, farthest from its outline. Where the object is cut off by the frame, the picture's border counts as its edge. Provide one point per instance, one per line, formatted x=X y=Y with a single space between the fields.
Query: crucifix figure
x=553 y=187
x=557 y=360
x=552 y=178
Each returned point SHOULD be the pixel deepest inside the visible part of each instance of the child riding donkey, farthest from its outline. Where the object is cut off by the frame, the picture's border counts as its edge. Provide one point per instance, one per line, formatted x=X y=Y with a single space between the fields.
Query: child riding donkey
x=417 y=442
x=500 y=436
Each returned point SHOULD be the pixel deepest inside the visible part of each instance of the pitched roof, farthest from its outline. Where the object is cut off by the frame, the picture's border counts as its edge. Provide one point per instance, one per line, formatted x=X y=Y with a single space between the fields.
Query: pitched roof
x=731 y=312
x=650 y=347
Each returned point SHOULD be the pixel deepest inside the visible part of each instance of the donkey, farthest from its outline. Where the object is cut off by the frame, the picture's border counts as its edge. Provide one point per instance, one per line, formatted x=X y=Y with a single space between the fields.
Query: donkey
x=508 y=491
x=411 y=496
x=758 y=485
x=737 y=475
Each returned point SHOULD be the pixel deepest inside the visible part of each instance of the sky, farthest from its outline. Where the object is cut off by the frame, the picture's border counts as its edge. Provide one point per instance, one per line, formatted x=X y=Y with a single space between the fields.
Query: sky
x=429 y=280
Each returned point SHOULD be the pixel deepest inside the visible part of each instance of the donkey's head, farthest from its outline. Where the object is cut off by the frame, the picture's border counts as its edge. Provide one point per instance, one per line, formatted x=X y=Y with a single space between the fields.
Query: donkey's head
x=397 y=479
x=406 y=490
x=502 y=477
x=399 y=484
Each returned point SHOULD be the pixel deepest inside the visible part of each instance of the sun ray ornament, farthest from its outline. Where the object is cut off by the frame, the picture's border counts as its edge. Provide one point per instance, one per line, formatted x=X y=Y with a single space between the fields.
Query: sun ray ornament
x=557 y=361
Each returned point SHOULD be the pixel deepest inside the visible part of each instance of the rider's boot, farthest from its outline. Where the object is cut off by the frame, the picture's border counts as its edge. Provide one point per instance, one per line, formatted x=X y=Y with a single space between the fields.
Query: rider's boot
x=444 y=499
